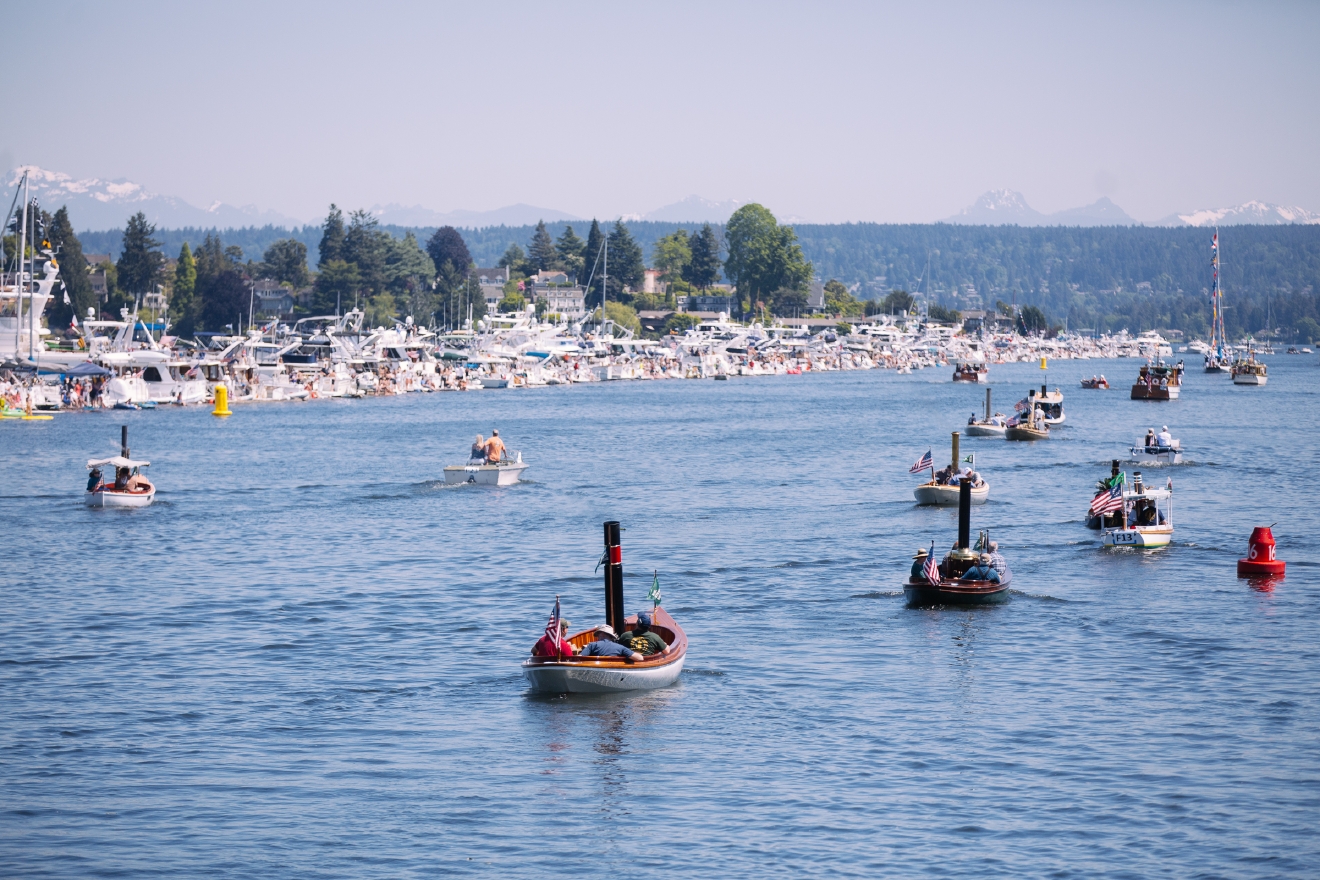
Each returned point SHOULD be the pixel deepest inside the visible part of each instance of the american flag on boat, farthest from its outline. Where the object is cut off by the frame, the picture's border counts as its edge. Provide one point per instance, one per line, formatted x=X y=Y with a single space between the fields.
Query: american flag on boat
x=1021 y=405
x=1108 y=501
x=922 y=463
x=552 y=628
x=932 y=568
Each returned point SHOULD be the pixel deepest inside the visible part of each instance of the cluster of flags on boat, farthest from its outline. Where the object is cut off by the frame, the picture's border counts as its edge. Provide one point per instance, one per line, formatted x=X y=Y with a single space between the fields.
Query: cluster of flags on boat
x=1109 y=499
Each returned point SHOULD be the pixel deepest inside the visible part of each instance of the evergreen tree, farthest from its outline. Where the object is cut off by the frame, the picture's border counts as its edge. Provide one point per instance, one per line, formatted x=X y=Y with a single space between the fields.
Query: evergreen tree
x=227 y=301
x=514 y=258
x=337 y=285
x=671 y=254
x=703 y=269
x=183 y=301
x=73 y=272
x=214 y=300
x=286 y=262
x=332 y=236
x=764 y=257
x=627 y=268
x=408 y=275
x=591 y=261
x=447 y=246
x=569 y=248
x=140 y=263
x=541 y=252
x=364 y=247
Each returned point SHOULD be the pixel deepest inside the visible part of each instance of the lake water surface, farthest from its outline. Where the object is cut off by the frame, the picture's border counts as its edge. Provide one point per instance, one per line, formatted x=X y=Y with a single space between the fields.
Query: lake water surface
x=302 y=661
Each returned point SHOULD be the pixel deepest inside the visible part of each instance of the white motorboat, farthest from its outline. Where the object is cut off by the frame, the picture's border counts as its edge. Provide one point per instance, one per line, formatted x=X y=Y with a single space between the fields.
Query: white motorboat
x=1249 y=371
x=129 y=488
x=1147 y=517
x=1050 y=404
x=501 y=473
x=1143 y=453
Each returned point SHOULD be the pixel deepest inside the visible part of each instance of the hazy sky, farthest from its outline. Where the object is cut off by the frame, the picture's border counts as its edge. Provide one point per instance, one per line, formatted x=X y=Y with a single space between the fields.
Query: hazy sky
x=824 y=111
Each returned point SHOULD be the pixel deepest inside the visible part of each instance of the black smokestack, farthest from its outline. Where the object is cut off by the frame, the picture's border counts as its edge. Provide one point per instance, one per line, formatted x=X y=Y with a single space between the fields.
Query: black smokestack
x=123 y=440
x=614 y=613
x=965 y=514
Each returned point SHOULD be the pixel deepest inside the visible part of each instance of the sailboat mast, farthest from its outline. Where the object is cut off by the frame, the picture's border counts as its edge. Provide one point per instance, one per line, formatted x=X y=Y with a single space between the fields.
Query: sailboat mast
x=20 y=285
x=32 y=268
x=605 y=282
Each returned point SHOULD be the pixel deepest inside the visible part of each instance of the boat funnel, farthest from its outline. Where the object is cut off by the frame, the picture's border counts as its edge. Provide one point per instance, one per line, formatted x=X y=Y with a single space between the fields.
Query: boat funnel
x=955 y=450
x=987 y=404
x=964 y=514
x=1113 y=468
x=123 y=440
x=614 y=612
x=1136 y=483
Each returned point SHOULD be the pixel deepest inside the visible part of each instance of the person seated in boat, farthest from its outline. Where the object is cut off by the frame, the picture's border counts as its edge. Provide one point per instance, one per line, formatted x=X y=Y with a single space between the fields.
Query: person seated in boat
x=494 y=447
x=1145 y=513
x=121 y=479
x=548 y=647
x=1164 y=438
x=1150 y=439
x=997 y=561
x=982 y=571
x=641 y=639
x=93 y=479
x=604 y=645
x=478 y=452
x=918 y=571
x=971 y=420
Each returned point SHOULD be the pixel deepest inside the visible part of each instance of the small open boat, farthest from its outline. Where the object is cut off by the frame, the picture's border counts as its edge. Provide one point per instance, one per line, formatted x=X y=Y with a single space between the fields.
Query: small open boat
x=603 y=675
x=1158 y=381
x=502 y=473
x=1029 y=425
x=1096 y=382
x=129 y=488
x=1147 y=517
x=990 y=426
x=946 y=586
x=1144 y=453
x=971 y=370
x=946 y=494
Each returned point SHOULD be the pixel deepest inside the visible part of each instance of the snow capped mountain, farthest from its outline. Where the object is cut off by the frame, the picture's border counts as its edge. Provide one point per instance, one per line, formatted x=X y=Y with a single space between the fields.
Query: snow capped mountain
x=94 y=203
x=999 y=207
x=693 y=209
x=512 y=215
x=1006 y=207
x=1253 y=213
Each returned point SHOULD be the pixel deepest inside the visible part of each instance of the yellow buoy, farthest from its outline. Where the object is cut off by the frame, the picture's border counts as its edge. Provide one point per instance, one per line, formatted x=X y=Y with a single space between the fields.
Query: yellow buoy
x=1042 y=364
x=221 y=401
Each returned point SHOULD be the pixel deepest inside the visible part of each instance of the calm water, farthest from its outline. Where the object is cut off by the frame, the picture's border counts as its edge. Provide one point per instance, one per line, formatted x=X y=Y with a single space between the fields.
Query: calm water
x=302 y=661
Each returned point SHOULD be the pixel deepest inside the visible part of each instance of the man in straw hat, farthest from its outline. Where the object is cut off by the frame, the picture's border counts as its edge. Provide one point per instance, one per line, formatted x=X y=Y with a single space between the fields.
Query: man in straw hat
x=605 y=646
x=919 y=564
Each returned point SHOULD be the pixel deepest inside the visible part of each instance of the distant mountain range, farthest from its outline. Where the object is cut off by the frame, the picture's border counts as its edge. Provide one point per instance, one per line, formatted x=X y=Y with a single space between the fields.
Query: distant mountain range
x=94 y=203
x=1004 y=207
x=513 y=215
x=693 y=209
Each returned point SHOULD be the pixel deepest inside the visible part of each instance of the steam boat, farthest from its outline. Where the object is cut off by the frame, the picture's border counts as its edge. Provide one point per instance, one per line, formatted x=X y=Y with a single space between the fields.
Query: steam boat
x=946 y=584
x=601 y=675
x=129 y=488
x=1249 y=371
x=990 y=426
x=1158 y=381
x=1147 y=517
x=947 y=494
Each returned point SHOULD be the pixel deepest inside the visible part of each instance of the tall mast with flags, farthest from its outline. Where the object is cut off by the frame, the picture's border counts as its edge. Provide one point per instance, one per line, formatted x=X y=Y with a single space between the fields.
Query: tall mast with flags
x=1216 y=302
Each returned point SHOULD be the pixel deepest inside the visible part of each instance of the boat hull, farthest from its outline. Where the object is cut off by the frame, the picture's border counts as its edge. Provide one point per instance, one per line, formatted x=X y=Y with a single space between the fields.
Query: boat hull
x=976 y=430
x=1150 y=538
x=1020 y=432
x=920 y=593
x=1249 y=379
x=1142 y=391
x=1141 y=455
x=603 y=677
x=485 y=475
x=112 y=498
x=947 y=496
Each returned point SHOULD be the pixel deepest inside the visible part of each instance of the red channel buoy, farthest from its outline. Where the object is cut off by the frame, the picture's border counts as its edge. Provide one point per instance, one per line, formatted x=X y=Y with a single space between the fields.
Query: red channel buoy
x=1260 y=555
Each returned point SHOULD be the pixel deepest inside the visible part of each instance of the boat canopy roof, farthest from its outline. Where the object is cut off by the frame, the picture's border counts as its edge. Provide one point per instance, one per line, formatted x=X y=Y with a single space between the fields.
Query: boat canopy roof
x=118 y=461
x=1150 y=492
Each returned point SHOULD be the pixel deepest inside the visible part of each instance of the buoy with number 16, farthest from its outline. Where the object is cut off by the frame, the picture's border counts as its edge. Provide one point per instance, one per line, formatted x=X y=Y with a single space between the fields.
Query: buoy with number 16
x=1260 y=555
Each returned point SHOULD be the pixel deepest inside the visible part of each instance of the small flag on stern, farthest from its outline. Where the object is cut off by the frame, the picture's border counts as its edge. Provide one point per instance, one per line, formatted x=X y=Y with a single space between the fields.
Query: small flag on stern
x=654 y=593
x=922 y=463
x=552 y=628
x=932 y=568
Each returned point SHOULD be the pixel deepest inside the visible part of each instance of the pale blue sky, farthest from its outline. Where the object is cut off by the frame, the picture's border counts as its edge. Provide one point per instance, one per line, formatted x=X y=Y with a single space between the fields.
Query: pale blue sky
x=825 y=111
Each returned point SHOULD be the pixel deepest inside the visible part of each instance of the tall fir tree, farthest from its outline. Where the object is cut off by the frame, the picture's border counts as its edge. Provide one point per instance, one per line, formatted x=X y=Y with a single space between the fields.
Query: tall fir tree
x=183 y=301
x=73 y=273
x=591 y=261
x=627 y=268
x=569 y=248
x=364 y=247
x=286 y=262
x=703 y=269
x=141 y=263
x=447 y=246
x=332 y=236
x=541 y=251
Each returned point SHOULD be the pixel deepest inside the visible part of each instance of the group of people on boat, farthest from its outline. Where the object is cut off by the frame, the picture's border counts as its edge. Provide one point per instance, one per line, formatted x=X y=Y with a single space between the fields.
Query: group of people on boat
x=632 y=645
x=950 y=475
x=126 y=480
x=1158 y=442
x=487 y=451
x=999 y=420
x=990 y=566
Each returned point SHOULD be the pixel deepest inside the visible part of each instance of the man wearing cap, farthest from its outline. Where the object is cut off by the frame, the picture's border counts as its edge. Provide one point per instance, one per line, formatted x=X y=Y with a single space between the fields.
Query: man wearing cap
x=641 y=639
x=548 y=647
x=981 y=571
x=1164 y=438
x=919 y=564
x=606 y=646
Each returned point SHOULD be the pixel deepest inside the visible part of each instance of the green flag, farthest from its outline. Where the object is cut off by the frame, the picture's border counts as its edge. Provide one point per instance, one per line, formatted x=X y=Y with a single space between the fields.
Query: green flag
x=971 y=459
x=654 y=593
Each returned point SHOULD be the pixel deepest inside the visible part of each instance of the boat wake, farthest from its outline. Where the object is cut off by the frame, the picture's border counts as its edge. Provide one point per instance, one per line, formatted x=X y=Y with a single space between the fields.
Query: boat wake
x=878 y=594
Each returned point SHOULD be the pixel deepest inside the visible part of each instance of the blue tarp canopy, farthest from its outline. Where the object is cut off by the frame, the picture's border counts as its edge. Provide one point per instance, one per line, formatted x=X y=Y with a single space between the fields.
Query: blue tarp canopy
x=87 y=368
